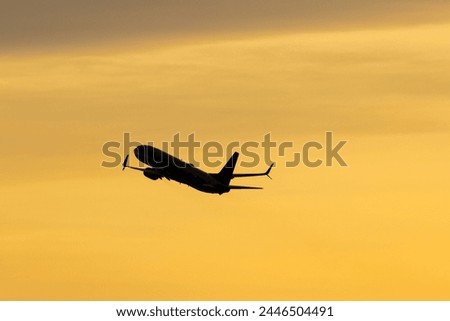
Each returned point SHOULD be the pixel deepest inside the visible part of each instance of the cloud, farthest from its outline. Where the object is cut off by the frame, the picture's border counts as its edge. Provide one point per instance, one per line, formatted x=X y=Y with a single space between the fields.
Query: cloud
x=82 y=230
x=38 y=24
x=358 y=84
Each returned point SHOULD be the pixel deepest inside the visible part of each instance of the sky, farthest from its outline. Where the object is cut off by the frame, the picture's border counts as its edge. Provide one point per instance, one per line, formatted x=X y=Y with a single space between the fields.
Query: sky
x=76 y=75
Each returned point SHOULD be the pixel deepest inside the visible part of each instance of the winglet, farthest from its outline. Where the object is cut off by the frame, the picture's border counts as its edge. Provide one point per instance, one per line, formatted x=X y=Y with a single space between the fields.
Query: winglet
x=125 y=162
x=268 y=171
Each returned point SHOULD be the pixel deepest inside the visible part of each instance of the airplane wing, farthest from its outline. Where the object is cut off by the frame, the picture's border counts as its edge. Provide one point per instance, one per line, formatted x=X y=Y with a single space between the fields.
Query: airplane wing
x=125 y=165
x=125 y=162
x=244 y=187
x=266 y=173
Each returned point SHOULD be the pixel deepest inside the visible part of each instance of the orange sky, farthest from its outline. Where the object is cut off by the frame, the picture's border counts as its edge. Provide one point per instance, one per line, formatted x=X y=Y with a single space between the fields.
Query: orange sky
x=375 y=230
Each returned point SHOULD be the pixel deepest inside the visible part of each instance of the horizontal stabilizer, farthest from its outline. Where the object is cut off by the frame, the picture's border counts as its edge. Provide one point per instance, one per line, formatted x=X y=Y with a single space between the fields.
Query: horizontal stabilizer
x=244 y=187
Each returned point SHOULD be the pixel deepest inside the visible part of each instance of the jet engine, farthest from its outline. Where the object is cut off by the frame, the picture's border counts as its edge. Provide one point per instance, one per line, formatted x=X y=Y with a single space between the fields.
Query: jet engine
x=152 y=173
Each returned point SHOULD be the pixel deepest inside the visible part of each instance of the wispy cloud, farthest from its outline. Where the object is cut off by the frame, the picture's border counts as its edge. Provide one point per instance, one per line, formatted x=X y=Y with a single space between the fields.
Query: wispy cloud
x=38 y=25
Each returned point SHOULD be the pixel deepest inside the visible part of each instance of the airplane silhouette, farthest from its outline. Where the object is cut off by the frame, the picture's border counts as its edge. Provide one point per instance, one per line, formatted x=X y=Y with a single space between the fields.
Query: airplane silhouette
x=167 y=166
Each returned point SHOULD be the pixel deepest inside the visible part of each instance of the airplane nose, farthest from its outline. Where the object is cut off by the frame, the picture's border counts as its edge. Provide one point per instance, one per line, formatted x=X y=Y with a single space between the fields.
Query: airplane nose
x=138 y=151
x=143 y=153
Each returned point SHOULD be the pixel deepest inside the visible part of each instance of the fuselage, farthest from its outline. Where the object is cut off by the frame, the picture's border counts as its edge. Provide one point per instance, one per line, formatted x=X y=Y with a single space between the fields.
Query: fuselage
x=173 y=168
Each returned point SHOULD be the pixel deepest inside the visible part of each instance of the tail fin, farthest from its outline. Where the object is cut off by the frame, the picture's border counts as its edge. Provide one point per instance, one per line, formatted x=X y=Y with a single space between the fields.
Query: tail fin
x=226 y=172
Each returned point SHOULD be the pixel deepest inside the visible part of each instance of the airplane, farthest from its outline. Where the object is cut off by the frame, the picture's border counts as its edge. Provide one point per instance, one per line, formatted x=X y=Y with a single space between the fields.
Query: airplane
x=164 y=165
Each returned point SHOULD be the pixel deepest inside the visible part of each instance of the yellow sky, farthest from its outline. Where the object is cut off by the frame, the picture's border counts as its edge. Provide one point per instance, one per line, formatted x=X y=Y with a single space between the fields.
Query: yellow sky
x=376 y=230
